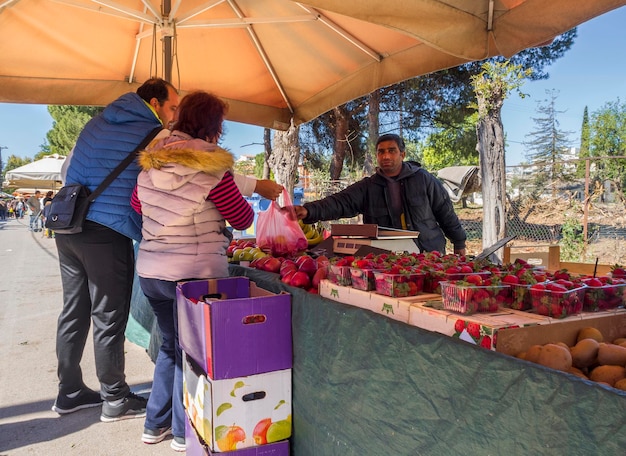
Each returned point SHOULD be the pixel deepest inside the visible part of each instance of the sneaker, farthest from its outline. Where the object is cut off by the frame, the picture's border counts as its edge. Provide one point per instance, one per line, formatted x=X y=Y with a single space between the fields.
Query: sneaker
x=178 y=444
x=132 y=406
x=155 y=435
x=86 y=398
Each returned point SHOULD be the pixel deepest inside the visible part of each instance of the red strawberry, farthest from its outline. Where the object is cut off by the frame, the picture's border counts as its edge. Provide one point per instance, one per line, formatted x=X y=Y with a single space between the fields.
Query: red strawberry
x=593 y=282
x=511 y=279
x=474 y=279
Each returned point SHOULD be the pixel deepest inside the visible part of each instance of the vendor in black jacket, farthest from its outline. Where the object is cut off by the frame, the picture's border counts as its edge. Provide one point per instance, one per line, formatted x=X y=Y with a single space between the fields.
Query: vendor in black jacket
x=400 y=195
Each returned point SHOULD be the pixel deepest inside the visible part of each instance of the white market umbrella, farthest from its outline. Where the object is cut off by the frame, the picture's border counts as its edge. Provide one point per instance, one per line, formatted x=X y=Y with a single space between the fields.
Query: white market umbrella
x=44 y=174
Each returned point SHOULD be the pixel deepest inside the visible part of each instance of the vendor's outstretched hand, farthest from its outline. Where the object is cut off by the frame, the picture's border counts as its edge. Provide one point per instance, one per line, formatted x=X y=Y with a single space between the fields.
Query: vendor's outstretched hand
x=299 y=212
x=460 y=252
x=268 y=189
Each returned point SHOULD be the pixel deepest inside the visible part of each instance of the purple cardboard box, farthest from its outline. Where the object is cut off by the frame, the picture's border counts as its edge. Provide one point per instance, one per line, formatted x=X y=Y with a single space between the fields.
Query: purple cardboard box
x=197 y=448
x=232 y=328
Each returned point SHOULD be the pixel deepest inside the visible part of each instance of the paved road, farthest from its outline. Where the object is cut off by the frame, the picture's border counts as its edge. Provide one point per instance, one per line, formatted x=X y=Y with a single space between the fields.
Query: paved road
x=30 y=301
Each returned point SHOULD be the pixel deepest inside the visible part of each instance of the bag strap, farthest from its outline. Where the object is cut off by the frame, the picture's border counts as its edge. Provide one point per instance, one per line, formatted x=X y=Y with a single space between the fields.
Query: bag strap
x=123 y=164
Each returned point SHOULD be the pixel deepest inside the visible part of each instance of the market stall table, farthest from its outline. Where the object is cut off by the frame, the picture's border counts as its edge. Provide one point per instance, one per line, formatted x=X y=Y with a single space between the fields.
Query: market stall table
x=364 y=384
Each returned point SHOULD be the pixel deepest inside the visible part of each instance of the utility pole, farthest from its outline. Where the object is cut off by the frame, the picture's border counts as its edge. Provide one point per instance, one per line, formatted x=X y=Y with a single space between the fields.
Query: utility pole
x=1 y=165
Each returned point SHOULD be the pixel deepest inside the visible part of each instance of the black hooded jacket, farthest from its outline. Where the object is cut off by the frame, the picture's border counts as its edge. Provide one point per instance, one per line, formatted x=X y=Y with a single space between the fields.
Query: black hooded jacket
x=427 y=207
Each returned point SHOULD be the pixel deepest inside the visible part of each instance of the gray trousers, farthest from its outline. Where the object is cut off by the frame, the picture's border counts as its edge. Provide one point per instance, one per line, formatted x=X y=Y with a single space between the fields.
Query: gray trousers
x=97 y=270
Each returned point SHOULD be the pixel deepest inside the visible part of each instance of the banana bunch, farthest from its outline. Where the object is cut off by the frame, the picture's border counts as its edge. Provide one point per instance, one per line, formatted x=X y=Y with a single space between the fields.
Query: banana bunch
x=314 y=233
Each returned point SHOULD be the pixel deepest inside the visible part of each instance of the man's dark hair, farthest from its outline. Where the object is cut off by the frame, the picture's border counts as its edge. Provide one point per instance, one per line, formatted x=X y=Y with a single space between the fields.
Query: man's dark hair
x=155 y=88
x=392 y=137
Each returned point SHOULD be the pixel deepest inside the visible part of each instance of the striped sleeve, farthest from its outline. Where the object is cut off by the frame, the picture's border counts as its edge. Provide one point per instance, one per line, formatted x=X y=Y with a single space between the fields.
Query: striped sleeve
x=134 y=201
x=231 y=204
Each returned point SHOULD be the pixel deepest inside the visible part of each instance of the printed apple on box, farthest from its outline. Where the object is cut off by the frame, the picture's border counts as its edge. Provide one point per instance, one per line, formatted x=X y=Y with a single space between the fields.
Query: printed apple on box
x=232 y=328
x=235 y=413
x=195 y=446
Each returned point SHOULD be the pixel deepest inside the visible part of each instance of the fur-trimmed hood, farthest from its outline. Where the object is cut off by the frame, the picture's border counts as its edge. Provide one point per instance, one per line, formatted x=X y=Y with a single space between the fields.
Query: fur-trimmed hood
x=212 y=161
x=174 y=160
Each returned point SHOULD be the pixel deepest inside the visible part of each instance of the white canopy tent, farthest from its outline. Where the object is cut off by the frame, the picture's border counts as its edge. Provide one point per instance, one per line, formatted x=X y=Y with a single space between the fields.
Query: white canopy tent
x=44 y=174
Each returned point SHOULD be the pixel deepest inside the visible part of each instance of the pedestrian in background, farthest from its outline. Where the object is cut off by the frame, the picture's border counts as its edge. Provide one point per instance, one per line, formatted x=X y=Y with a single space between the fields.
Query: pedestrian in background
x=34 y=210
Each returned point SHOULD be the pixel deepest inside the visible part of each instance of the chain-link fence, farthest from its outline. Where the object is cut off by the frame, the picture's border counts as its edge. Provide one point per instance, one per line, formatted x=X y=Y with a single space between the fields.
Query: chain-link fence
x=586 y=219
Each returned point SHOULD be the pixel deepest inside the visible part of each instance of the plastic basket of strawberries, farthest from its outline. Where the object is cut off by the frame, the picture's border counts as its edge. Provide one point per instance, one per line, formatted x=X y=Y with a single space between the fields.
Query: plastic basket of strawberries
x=339 y=271
x=520 y=284
x=604 y=293
x=473 y=294
x=558 y=299
x=362 y=271
x=399 y=282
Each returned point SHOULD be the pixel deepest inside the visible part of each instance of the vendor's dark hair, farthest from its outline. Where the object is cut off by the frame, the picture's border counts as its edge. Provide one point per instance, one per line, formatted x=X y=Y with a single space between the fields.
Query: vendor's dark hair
x=155 y=88
x=201 y=115
x=392 y=137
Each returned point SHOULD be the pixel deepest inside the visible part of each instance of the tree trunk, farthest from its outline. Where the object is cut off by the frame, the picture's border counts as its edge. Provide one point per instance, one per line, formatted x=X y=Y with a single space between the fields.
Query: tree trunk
x=267 y=146
x=341 y=142
x=372 y=132
x=285 y=157
x=492 y=167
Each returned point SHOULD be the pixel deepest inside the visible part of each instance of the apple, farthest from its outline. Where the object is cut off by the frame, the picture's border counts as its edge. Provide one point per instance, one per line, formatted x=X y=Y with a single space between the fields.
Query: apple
x=271 y=264
x=308 y=265
x=260 y=431
x=319 y=275
x=287 y=265
x=227 y=437
x=322 y=261
x=279 y=430
x=286 y=278
x=300 y=279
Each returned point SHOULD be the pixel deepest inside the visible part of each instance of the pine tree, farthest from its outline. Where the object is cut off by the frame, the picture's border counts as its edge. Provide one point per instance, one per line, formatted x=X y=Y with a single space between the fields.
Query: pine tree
x=584 y=144
x=547 y=145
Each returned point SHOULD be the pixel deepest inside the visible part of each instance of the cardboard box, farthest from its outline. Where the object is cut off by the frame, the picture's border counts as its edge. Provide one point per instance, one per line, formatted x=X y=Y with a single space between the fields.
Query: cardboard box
x=394 y=308
x=242 y=330
x=611 y=323
x=236 y=413
x=197 y=447
x=477 y=329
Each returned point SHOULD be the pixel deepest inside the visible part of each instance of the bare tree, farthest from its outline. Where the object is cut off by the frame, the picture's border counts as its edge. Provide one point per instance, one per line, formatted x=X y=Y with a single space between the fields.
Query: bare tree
x=492 y=86
x=285 y=157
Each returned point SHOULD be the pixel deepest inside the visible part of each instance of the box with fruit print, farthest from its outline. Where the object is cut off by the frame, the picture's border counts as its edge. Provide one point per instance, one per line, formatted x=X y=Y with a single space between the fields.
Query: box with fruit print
x=477 y=329
x=233 y=328
x=195 y=446
x=236 y=413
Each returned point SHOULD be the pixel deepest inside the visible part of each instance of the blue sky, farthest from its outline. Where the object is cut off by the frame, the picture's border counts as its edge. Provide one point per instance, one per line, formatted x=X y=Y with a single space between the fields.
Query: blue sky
x=591 y=74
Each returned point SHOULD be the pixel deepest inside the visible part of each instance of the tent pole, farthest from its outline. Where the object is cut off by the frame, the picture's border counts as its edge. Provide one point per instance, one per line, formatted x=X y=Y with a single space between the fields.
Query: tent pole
x=167 y=45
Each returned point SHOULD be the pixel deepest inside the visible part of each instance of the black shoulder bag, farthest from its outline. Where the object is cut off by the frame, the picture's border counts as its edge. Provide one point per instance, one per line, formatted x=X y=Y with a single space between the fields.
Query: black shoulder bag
x=69 y=207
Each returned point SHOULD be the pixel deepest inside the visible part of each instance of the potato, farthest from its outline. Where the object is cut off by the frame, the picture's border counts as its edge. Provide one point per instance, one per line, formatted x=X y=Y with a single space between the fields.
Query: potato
x=555 y=357
x=620 y=384
x=584 y=353
x=590 y=333
x=562 y=344
x=619 y=340
x=608 y=374
x=577 y=373
x=614 y=355
x=532 y=354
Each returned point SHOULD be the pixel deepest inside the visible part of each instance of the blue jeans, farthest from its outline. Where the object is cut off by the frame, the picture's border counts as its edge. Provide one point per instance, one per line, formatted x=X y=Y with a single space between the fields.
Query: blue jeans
x=34 y=221
x=165 y=405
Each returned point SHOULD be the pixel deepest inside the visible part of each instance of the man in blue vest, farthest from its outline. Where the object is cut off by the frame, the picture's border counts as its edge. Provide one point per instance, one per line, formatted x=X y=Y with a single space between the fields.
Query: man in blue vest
x=97 y=265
